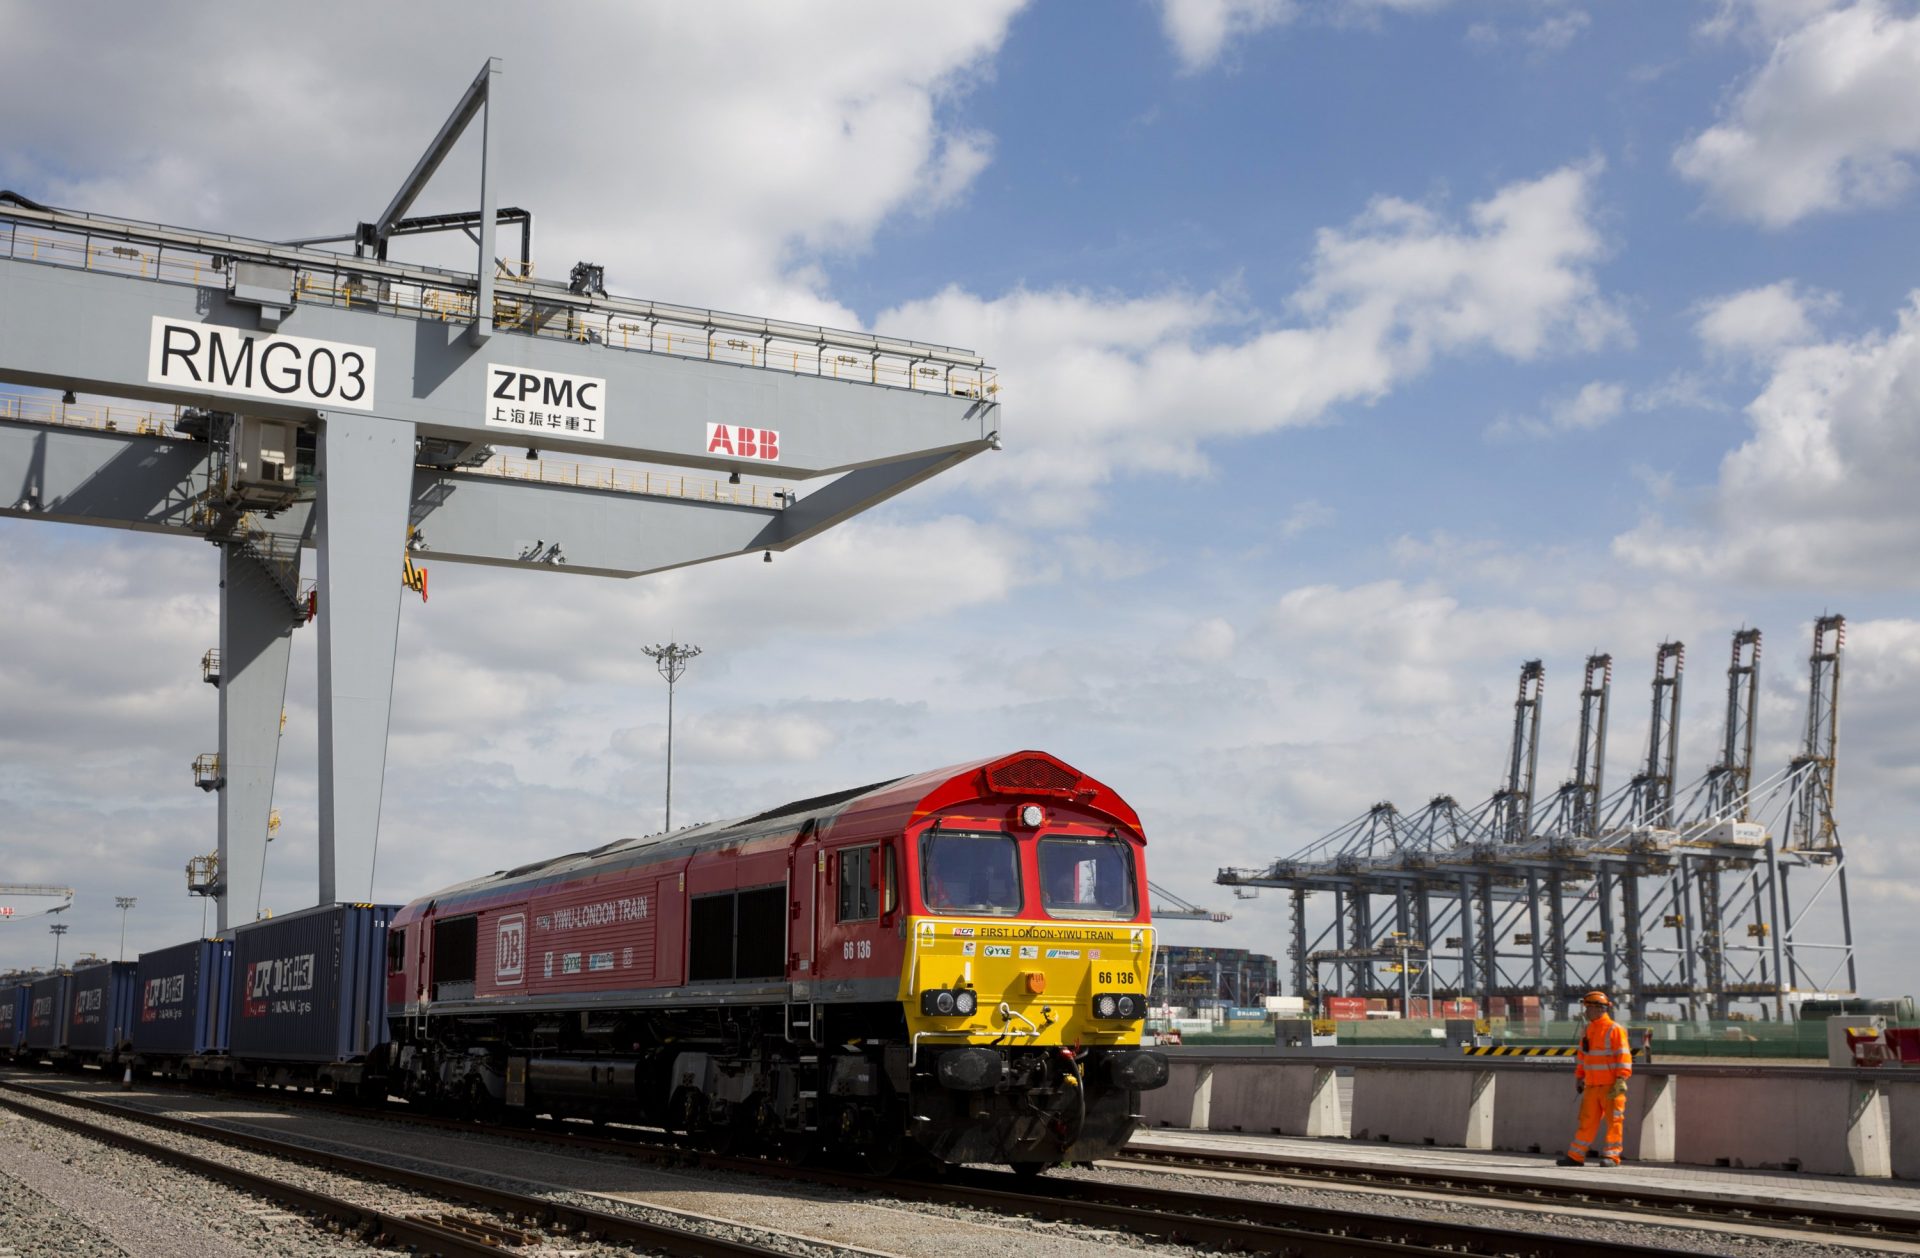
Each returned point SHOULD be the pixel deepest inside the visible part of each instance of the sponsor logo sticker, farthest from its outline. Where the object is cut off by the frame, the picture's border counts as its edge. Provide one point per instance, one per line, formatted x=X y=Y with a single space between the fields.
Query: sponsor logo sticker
x=963 y=932
x=998 y=950
x=966 y=949
x=1029 y=952
x=1063 y=954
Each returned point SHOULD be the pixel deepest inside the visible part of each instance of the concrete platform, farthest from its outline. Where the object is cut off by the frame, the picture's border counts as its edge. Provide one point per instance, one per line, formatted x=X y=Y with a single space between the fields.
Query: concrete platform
x=1880 y=1196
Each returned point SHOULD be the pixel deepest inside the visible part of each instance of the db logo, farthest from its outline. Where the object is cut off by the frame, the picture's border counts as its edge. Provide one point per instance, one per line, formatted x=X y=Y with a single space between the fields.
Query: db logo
x=510 y=950
x=744 y=443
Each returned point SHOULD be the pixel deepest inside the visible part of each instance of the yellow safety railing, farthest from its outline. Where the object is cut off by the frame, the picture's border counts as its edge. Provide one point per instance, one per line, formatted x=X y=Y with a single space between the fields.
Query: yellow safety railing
x=521 y=313
x=102 y=417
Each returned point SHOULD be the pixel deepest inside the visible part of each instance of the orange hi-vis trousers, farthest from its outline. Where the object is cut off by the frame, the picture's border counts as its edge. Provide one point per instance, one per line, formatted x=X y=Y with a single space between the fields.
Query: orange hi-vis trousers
x=1597 y=1101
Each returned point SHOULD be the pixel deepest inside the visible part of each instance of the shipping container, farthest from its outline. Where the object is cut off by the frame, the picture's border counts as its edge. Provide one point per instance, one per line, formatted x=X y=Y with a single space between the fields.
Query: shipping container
x=310 y=986
x=180 y=999
x=1347 y=1008
x=49 y=1003
x=14 y=995
x=101 y=1020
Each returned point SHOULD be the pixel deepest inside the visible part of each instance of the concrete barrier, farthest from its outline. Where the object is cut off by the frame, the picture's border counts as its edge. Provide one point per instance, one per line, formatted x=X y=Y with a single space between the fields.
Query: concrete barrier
x=1824 y=1126
x=1406 y=1106
x=1903 y=1127
x=1184 y=1101
x=1292 y=1099
x=1820 y=1121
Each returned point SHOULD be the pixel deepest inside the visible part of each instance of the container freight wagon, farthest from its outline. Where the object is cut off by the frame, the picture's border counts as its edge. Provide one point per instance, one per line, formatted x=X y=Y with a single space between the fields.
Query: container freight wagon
x=310 y=989
x=100 y=1021
x=14 y=997
x=49 y=1005
x=180 y=1000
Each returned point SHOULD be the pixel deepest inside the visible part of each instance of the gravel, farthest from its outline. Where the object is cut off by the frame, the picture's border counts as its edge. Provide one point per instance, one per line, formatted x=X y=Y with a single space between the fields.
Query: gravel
x=814 y=1221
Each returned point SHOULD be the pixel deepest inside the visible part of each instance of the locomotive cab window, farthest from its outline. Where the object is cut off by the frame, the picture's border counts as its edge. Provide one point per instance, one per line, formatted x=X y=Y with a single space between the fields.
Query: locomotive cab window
x=396 y=951
x=970 y=873
x=1087 y=877
x=862 y=886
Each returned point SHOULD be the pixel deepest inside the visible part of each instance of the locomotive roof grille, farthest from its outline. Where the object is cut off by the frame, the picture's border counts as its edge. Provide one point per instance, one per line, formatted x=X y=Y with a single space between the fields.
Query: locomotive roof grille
x=1033 y=774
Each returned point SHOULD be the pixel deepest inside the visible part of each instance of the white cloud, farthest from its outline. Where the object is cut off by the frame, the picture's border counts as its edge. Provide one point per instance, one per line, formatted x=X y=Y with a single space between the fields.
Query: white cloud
x=1102 y=384
x=1200 y=29
x=1593 y=406
x=1760 y=321
x=1557 y=31
x=757 y=736
x=1831 y=122
x=1765 y=19
x=1822 y=492
x=1211 y=641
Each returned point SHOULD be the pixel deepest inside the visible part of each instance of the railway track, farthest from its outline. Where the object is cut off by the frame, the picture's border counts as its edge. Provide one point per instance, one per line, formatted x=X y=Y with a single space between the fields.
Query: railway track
x=1179 y=1217
x=1680 y=1206
x=521 y=1219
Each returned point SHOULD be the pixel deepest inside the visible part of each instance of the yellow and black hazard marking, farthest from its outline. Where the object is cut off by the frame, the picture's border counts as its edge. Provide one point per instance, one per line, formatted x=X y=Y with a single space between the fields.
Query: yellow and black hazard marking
x=1530 y=1050
x=1513 y=1050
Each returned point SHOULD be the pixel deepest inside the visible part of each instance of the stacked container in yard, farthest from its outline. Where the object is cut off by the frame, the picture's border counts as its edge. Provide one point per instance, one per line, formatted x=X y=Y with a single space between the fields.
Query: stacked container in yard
x=1347 y=1008
x=101 y=1021
x=311 y=986
x=49 y=1003
x=180 y=999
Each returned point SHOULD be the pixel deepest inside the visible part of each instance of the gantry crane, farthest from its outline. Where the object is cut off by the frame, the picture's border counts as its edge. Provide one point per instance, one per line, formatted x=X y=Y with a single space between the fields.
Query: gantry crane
x=350 y=404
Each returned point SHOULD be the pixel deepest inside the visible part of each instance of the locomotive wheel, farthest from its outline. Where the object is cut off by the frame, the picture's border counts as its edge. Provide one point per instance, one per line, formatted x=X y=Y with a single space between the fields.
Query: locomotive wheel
x=683 y=1115
x=881 y=1160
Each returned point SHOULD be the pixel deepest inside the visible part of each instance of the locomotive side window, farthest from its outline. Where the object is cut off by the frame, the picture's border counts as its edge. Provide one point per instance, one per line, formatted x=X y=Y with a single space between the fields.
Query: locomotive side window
x=859 y=900
x=970 y=873
x=396 y=951
x=455 y=942
x=1086 y=877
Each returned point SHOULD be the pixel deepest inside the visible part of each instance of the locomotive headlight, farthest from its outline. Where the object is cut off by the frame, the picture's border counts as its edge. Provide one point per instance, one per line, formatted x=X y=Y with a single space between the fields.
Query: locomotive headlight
x=941 y=1003
x=1031 y=815
x=1126 y=1008
x=1106 y=1005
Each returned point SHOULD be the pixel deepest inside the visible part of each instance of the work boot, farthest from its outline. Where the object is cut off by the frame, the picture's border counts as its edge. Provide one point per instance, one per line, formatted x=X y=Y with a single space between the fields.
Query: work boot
x=1567 y=1160
x=1606 y=1161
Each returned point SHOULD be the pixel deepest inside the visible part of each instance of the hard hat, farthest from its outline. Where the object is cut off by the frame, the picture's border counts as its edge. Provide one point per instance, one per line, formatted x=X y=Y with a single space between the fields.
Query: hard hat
x=1596 y=998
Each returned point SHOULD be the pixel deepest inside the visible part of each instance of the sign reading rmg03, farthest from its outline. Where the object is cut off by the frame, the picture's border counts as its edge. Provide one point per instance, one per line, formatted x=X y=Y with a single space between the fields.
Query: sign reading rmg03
x=211 y=359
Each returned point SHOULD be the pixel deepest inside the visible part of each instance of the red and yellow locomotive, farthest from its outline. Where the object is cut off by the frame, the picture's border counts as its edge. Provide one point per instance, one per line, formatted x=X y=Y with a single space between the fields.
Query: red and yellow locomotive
x=954 y=963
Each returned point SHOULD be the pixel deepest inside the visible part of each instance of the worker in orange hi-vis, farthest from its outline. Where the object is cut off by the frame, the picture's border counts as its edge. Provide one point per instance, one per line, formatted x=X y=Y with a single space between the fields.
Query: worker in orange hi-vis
x=1600 y=1074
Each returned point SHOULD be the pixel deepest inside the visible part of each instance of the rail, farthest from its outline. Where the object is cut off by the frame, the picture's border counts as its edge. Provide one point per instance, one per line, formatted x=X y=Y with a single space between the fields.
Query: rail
x=146 y=251
x=164 y=422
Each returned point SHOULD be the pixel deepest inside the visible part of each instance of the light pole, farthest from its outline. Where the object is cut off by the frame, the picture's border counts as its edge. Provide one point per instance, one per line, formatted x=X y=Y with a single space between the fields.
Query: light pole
x=58 y=930
x=671 y=660
x=123 y=903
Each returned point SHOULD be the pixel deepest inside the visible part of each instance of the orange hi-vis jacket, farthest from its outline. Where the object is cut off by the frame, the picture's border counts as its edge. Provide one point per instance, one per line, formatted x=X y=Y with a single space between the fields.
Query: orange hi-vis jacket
x=1604 y=1056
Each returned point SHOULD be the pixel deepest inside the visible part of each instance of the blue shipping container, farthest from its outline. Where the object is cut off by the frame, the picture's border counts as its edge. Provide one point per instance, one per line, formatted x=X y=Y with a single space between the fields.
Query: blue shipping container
x=49 y=1004
x=13 y=1014
x=311 y=986
x=180 y=999
x=102 y=1005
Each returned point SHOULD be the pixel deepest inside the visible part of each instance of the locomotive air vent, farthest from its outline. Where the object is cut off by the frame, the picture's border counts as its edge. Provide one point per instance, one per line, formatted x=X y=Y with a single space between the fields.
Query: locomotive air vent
x=1032 y=774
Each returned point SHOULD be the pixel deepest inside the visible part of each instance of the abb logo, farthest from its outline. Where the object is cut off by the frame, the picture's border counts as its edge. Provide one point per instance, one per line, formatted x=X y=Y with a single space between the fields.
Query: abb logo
x=510 y=950
x=739 y=442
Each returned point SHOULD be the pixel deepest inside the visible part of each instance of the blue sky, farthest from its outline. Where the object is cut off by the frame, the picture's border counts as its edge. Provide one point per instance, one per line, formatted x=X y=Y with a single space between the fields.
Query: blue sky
x=1351 y=353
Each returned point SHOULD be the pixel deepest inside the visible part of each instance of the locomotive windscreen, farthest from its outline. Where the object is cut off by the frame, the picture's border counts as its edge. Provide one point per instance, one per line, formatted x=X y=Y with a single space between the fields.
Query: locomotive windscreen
x=1086 y=877
x=970 y=873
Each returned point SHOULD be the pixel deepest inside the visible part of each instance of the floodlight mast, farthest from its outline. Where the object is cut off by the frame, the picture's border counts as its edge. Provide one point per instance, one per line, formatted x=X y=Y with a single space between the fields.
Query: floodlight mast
x=671 y=660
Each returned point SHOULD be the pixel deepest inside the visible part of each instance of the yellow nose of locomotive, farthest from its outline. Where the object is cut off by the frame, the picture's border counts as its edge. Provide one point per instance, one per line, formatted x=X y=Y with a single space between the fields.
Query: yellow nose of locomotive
x=1024 y=983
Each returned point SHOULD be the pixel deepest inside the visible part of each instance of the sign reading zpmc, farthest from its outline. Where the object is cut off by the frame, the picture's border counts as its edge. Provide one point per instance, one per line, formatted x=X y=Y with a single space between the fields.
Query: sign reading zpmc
x=546 y=403
x=213 y=359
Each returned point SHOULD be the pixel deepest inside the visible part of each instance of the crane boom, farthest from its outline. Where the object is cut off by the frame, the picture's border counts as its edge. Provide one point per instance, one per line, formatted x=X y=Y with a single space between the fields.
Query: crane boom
x=8 y=890
x=1171 y=907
